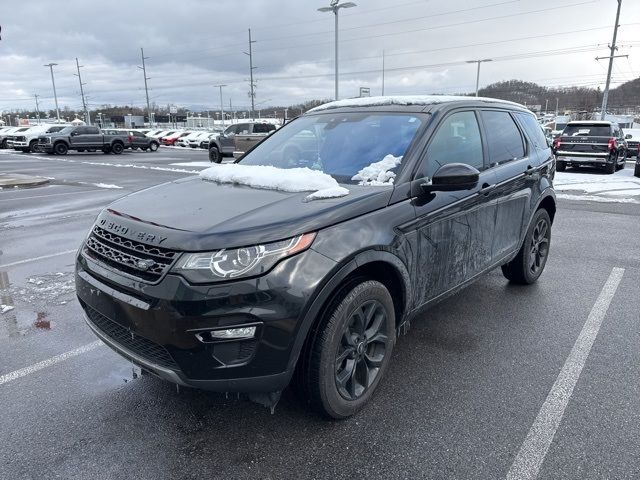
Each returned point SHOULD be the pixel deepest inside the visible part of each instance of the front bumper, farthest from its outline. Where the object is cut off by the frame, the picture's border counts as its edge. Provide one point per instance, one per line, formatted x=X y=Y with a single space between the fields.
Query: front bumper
x=155 y=326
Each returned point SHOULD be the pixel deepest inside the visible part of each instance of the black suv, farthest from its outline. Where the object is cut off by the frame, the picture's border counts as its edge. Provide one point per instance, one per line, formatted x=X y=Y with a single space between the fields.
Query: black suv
x=239 y=289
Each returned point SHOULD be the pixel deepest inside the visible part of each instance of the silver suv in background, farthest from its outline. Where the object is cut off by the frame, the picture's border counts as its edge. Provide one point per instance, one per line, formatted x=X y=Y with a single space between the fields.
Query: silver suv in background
x=238 y=139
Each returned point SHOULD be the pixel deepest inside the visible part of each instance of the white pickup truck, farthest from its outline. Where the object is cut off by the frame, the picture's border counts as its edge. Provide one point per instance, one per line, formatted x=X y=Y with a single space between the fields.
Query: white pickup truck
x=27 y=140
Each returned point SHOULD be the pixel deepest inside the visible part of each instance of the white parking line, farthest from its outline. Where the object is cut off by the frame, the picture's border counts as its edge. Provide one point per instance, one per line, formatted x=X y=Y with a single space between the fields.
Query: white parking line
x=535 y=446
x=23 y=372
x=34 y=259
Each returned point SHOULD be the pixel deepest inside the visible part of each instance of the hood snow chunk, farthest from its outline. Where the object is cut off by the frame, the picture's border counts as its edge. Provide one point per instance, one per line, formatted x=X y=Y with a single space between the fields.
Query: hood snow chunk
x=378 y=173
x=273 y=178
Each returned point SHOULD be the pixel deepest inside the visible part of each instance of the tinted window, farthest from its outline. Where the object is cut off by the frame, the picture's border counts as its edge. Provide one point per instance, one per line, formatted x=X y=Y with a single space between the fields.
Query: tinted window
x=533 y=130
x=586 y=130
x=91 y=130
x=457 y=140
x=503 y=137
x=243 y=129
x=263 y=128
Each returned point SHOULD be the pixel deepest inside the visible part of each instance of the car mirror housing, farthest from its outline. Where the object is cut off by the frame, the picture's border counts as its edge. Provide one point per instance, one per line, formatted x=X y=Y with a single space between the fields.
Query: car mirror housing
x=452 y=177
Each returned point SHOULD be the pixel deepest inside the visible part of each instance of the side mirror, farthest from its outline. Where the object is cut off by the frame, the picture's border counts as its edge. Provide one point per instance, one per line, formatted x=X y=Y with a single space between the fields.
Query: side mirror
x=452 y=177
x=74 y=133
x=628 y=136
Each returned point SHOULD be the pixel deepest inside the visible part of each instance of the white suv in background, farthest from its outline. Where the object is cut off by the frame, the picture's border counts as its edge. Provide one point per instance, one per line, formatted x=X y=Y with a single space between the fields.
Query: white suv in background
x=27 y=141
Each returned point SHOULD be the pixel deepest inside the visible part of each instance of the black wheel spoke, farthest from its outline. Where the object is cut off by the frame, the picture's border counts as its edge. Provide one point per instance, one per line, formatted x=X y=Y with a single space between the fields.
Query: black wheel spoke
x=346 y=353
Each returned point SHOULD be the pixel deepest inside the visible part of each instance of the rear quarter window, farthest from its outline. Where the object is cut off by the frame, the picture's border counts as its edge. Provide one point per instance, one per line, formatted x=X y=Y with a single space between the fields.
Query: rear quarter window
x=533 y=130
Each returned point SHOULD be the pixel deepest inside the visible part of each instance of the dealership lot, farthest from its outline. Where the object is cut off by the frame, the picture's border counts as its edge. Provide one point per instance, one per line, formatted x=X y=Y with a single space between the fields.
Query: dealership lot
x=466 y=383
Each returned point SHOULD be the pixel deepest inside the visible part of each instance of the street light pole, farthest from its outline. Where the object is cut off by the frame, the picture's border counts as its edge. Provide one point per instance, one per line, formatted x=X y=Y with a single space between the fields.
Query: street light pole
x=37 y=108
x=221 y=103
x=55 y=95
x=478 y=74
x=605 y=96
x=335 y=6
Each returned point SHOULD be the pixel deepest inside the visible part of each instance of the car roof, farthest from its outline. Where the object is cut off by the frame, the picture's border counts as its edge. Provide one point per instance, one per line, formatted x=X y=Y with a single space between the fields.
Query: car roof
x=590 y=122
x=409 y=100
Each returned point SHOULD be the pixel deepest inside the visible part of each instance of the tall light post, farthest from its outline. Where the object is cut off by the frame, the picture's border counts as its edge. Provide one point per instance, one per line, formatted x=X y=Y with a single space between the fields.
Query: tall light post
x=335 y=6
x=221 y=103
x=478 y=74
x=55 y=95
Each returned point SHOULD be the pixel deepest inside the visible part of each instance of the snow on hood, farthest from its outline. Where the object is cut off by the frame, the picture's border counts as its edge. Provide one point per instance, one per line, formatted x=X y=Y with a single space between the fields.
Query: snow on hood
x=273 y=178
x=378 y=173
x=403 y=100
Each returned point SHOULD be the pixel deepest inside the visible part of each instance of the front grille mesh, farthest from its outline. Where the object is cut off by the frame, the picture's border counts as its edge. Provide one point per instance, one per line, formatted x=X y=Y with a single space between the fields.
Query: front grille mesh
x=135 y=258
x=141 y=346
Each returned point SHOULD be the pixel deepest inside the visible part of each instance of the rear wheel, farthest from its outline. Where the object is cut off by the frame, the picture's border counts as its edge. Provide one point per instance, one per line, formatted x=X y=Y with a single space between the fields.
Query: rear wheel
x=117 y=148
x=611 y=167
x=214 y=155
x=60 y=148
x=351 y=351
x=530 y=261
x=560 y=166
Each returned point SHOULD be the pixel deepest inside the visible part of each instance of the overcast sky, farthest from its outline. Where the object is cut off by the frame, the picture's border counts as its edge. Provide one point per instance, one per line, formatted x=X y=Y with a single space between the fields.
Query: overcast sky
x=195 y=44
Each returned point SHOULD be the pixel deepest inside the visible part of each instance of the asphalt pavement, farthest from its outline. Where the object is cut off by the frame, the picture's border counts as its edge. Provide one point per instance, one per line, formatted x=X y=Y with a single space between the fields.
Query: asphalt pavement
x=497 y=382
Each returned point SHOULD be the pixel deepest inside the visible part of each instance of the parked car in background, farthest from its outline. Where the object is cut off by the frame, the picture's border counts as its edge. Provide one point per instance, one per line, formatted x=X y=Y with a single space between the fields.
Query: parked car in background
x=83 y=138
x=27 y=141
x=135 y=139
x=196 y=138
x=170 y=140
x=183 y=141
x=238 y=139
x=277 y=287
x=632 y=136
x=6 y=140
x=590 y=143
x=162 y=133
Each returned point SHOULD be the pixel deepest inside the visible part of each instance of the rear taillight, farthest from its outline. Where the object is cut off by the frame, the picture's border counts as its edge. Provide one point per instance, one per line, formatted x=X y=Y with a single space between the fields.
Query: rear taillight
x=556 y=143
x=613 y=144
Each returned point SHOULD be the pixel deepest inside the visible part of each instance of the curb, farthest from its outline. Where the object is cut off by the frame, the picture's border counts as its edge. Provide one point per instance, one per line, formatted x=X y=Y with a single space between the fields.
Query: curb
x=15 y=180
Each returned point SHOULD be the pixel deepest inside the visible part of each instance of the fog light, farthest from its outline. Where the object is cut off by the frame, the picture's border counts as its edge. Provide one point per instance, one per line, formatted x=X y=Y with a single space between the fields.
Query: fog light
x=233 y=333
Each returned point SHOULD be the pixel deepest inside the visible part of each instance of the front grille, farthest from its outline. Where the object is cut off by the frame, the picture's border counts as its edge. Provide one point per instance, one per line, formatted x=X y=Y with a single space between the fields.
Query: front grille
x=43 y=140
x=140 y=260
x=141 y=346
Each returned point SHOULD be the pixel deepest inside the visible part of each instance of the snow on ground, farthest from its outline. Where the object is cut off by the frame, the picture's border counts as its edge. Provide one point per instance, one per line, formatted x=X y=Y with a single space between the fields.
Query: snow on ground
x=594 y=185
x=378 y=173
x=107 y=185
x=6 y=308
x=273 y=178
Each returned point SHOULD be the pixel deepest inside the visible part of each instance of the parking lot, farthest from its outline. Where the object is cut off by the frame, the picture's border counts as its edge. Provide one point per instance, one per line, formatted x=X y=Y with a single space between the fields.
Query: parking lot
x=492 y=383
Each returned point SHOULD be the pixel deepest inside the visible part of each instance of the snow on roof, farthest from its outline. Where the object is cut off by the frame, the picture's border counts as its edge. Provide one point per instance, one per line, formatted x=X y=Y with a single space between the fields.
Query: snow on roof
x=273 y=178
x=590 y=122
x=404 y=100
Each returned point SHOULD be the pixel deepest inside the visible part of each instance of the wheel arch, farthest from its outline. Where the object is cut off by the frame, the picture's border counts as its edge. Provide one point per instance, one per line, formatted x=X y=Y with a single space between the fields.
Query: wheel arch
x=379 y=265
x=548 y=202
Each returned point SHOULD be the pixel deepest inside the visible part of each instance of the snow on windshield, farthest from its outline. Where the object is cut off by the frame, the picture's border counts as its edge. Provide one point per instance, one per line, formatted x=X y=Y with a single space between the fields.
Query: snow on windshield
x=273 y=178
x=378 y=173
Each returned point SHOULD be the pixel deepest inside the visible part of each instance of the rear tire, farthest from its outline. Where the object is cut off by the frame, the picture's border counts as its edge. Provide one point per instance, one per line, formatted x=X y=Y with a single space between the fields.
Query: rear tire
x=611 y=167
x=117 y=148
x=60 y=148
x=529 y=263
x=349 y=351
x=560 y=166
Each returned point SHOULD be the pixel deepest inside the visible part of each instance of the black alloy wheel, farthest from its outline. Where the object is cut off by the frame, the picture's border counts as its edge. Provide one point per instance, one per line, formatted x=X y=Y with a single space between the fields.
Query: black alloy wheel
x=117 y=148
x=362 y=349
x=529 y=263
x=214 y=155
x=349 y=351
x=153 y=146
x=60 y=148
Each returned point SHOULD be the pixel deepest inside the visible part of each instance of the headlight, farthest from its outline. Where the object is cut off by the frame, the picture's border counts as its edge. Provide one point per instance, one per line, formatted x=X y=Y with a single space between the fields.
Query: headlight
x=239 y=262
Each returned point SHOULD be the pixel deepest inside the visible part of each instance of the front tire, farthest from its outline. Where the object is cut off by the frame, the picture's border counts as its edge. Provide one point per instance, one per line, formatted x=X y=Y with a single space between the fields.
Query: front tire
x=60 y=148
x=33 y=146
x=214 y=155
x=530 y=261
x=350 y=351
x=153 y=146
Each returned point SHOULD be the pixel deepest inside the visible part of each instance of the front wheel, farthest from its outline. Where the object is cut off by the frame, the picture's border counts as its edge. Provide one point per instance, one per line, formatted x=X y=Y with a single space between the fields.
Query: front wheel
x=153 y=146
x=530 y=261
x=214 y=155
x=60 y=148
x=351 y=351
x=33 y=146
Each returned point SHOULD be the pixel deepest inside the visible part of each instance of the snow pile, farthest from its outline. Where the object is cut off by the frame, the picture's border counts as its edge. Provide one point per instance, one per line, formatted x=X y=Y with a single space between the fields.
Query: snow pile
x=6 y=308
x=402 y=100
x=594 y=185
x=107 y=185
x=273 y=178
x=378 y=173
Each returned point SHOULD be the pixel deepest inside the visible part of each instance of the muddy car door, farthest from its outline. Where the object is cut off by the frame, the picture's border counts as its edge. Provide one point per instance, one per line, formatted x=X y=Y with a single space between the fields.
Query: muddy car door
x=243 y=138
x=454 y=228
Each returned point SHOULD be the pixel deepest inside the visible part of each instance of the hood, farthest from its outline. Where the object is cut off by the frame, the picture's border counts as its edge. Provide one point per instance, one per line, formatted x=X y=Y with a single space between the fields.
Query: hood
x=193 y=214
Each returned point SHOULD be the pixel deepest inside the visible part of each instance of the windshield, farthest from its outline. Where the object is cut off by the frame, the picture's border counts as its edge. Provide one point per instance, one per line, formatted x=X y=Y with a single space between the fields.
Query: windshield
x=585 y=130
x=339 y=144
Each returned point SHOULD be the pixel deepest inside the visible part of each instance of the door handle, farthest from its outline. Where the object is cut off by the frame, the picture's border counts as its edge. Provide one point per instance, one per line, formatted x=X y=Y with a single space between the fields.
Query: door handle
x=487 y=189
x=530 y=170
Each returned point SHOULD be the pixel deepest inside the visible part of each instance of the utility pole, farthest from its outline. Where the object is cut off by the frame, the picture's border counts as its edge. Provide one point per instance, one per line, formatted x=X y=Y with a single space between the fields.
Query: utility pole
x=221 y=104
x=87 y=118
x=231 y=112
x=146 y=88
x=383 y=73
x=605 y=97
x=557 y=102
x=478 y=74
x=53 y=82
x=252 y=85
x=37 y=108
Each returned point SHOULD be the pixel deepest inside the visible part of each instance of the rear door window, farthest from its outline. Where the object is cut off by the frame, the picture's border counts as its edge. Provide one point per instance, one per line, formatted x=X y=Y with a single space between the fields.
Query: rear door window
x=504 y=140
x=263 y=128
